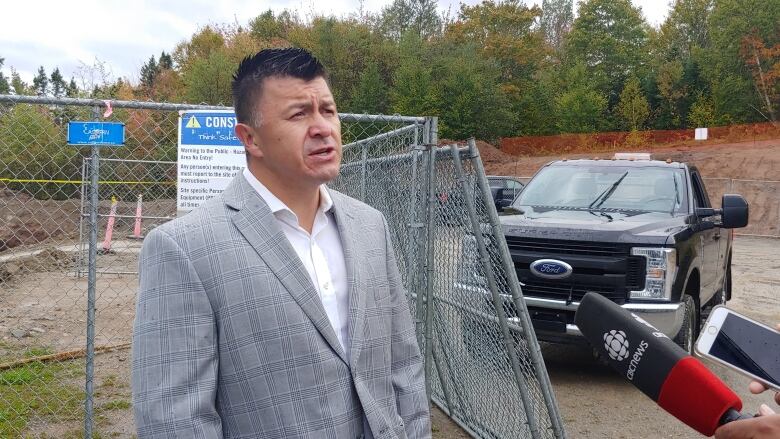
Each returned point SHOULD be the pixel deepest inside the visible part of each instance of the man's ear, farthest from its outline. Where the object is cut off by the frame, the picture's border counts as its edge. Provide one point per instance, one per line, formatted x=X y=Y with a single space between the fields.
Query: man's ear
x=246 y=134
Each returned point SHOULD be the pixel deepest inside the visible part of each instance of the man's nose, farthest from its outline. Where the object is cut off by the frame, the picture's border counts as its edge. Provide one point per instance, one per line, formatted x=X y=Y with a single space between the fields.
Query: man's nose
x=320 y=126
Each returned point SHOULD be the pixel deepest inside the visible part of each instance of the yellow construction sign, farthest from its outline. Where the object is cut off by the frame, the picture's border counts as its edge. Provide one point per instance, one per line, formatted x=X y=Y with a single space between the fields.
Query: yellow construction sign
x=193 y=122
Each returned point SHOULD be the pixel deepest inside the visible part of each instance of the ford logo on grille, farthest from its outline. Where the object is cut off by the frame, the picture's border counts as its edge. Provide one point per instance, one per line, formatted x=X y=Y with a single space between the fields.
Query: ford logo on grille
x=551 y=269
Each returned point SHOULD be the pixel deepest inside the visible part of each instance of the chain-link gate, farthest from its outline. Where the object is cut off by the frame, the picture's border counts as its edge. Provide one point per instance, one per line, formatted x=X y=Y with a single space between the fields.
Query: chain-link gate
x=65 y=246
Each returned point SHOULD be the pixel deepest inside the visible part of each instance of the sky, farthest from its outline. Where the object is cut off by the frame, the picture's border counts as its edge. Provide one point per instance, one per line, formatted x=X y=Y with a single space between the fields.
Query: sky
x=124 y=34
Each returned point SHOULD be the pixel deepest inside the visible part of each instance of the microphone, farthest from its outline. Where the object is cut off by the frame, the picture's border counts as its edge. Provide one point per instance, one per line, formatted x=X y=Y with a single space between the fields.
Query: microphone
x=646 y=357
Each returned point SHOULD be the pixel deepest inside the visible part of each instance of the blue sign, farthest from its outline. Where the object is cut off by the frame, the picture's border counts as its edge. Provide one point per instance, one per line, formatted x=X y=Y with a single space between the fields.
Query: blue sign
x=96 y=133
x=208 y=129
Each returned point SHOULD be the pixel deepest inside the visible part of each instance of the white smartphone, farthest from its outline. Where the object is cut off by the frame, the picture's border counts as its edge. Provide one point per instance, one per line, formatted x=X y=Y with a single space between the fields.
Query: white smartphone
x=743 y=344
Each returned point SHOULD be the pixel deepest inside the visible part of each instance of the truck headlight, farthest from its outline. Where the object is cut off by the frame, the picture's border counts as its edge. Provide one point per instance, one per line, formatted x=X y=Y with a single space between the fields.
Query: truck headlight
x=660 y=270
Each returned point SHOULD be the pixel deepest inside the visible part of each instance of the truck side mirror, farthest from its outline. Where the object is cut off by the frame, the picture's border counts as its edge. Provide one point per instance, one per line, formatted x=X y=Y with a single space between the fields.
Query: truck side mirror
x=735 y=211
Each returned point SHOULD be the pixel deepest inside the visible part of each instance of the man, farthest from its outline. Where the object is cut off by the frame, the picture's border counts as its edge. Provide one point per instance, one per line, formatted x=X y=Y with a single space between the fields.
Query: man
x=276 y=309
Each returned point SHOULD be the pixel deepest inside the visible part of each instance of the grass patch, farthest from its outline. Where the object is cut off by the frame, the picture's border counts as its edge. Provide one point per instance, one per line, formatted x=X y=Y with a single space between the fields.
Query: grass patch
x=39 y=391
x=118 y=404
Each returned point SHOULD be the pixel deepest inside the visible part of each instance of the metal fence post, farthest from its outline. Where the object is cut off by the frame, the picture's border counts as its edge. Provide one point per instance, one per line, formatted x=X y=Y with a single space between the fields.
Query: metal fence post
x=430 y=256
x=91 y=283
x=517 y=297
x=484 y=258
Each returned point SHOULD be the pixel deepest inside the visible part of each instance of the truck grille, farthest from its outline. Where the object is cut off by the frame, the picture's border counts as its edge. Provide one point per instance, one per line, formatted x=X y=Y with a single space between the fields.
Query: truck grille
x=605 y=268
x=554 y=246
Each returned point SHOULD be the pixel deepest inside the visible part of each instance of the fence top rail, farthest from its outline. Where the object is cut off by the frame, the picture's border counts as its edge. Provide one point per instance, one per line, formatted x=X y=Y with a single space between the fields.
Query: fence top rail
x=166 y=106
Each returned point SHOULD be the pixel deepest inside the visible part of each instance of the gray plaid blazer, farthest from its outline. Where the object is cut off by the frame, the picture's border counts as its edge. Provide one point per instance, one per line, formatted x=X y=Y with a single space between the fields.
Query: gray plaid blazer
x=231 y=339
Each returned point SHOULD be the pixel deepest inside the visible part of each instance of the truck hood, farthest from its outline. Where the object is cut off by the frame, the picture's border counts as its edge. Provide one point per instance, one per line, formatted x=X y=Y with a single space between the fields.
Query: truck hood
x=607 y=225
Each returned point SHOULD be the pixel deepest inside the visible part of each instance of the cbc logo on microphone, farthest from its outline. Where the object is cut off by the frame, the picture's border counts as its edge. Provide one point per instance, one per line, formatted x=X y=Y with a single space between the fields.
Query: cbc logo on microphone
x=616 y=344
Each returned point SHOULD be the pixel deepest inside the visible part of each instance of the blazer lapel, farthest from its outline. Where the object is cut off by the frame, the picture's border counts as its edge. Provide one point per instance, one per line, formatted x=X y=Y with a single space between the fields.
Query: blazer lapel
x=258 y=225
x=347 y=224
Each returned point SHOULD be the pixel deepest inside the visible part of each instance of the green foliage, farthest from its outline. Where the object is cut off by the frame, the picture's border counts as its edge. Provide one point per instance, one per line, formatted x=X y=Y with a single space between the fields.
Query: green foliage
x=5 y=87
x=416 y=16
x=41 y=82
x=610 y=38
x=702 y=113
x=58 y=86
x=633 y=109
x=19 y=86
x=370 y=94
x=33 y=149
x=149 y=71
x=581 y=108
x=207 y=80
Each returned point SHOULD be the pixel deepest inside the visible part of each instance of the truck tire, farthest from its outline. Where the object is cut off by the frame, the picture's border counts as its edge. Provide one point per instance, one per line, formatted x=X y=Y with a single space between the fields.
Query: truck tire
x=686 y=338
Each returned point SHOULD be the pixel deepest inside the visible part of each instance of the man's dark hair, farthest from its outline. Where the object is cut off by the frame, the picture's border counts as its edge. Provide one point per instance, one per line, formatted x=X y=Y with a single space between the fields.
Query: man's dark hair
x=248 y=79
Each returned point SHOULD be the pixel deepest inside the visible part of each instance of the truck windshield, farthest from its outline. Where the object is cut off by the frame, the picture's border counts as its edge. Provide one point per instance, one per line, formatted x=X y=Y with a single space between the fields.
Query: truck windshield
x=607 y=188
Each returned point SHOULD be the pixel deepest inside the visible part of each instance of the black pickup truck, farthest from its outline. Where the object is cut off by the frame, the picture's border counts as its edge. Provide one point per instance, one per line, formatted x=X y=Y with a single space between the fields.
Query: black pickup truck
x=639 y=232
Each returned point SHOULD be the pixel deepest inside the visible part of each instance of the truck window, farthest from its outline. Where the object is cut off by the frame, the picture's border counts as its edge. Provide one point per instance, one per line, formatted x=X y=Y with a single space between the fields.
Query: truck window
x=700 y=198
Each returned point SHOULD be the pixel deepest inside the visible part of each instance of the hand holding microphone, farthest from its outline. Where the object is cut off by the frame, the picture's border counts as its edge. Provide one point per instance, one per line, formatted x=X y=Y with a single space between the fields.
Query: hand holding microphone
x=678 y=382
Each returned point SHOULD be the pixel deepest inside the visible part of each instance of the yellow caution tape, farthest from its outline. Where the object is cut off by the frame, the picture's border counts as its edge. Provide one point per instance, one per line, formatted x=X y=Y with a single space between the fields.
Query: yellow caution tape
x=14 y=180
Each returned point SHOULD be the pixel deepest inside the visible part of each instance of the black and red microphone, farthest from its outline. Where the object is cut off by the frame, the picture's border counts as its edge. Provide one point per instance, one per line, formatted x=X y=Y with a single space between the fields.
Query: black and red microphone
x=676 y=381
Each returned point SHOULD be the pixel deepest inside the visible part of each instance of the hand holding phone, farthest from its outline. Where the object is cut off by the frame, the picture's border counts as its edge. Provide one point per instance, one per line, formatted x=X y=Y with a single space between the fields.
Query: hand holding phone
x=743 y=344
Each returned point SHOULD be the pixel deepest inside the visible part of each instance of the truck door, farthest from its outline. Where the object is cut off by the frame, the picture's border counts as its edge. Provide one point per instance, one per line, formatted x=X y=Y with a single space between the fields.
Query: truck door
x=710 y=241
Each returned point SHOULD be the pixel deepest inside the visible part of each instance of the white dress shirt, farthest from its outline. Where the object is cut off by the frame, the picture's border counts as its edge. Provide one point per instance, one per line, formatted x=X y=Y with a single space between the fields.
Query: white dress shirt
x=320 y=252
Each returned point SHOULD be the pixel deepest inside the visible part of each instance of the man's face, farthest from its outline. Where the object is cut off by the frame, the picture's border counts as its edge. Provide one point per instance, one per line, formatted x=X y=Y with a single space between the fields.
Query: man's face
x=299 y=136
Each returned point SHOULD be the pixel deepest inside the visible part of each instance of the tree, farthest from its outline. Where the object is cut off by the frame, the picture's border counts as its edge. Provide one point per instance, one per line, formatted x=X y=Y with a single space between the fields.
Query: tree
x=732 y=86
x=269 y=27
x=702 y=112
x=685 y=29
x=633 y=108
x=207 y=80
x=580 y=108
x=4 y=86
x=764 y=64
x=609 y=37
x=149 y=71
x=673 y=95
x=166 y=62
x=504 y=32
x=41 y=82
x=58 y=86
x=417 y=16
x=557 y=18
x=19 y=86
x=370 y=94
x=72 y=90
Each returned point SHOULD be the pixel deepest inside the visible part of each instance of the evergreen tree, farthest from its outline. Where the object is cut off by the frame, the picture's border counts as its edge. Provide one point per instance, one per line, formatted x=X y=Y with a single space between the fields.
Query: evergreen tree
x=370 y=94
x=166 y=62
x=58 y=86
x=41 y=82
x=149 y=72
x=633 y=108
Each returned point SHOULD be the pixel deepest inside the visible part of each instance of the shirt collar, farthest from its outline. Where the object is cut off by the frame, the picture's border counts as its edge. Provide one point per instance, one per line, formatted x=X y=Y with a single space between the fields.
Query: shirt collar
x=277 y=205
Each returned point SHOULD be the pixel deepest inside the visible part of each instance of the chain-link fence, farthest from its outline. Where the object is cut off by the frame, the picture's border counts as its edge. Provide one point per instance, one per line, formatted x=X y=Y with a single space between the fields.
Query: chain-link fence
x=763 y=197
x=72 y=223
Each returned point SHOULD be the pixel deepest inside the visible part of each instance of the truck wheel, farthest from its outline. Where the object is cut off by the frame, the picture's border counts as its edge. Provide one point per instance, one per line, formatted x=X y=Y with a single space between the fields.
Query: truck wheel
x=690 y=327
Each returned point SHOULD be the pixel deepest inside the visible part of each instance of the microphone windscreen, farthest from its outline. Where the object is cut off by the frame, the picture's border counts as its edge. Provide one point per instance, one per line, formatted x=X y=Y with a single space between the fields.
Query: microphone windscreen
x=696 y=396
